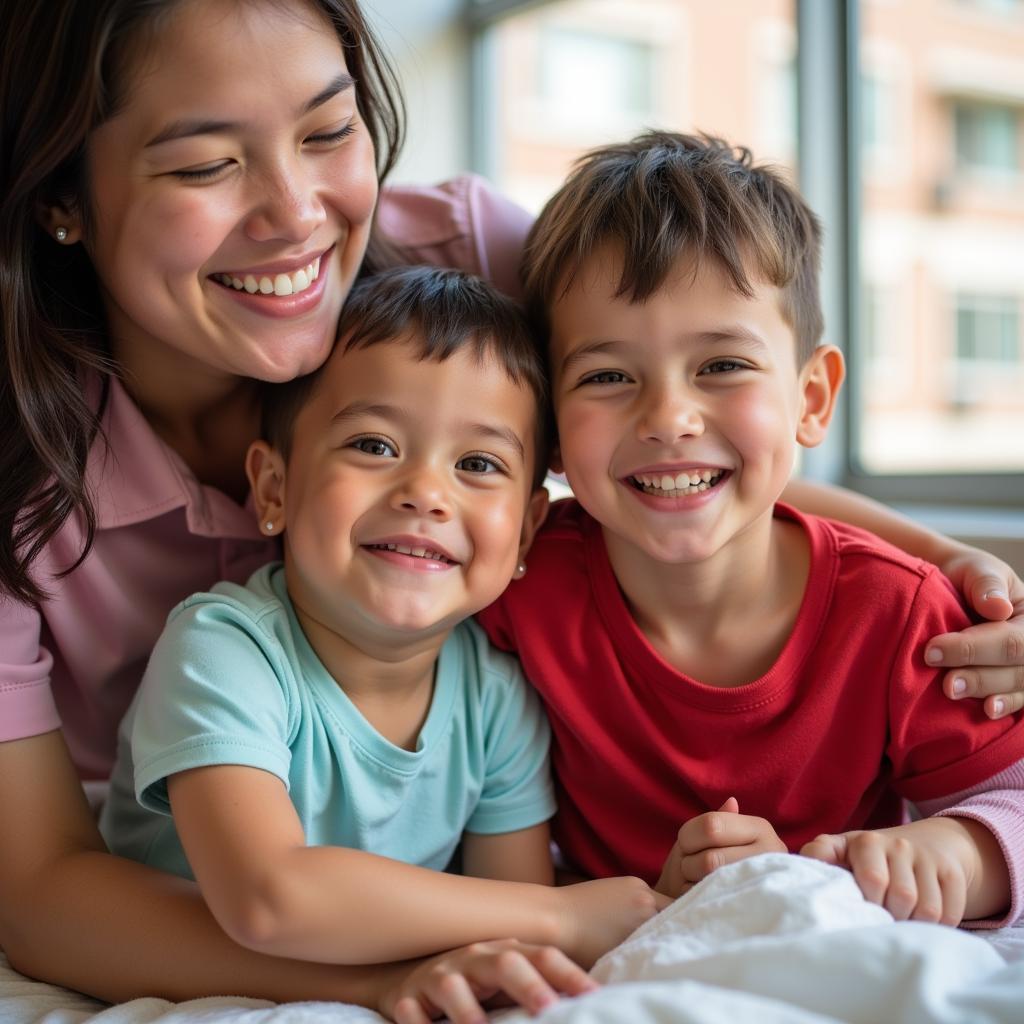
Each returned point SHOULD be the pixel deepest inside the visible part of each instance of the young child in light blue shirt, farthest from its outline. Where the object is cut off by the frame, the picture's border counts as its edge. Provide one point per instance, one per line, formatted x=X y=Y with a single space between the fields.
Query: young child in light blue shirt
x=309 y=746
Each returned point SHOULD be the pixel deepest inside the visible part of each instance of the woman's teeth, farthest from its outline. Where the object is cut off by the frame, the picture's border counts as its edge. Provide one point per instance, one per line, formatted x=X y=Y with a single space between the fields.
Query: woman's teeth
x=696 y=481
x=279 y=284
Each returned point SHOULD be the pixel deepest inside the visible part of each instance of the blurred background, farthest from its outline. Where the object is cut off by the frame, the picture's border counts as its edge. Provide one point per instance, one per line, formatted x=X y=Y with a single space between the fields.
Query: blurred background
x=901 y=120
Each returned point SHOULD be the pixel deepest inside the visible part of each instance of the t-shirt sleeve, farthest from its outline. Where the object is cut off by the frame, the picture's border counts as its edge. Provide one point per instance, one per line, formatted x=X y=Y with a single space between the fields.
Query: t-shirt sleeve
x=27 y=707
x=211 y=695
x=517 y=790
x=938 y=746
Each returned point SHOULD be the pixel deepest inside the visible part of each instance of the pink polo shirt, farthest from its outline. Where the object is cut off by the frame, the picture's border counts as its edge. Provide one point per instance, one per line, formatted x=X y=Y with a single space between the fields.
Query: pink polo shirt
x=161 y=535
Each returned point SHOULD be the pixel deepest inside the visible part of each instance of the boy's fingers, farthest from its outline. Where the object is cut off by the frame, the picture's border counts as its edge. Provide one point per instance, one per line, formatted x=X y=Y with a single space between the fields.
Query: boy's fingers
x=953 y=885
x=867 y=860
x=929 y=895
x=731 y=806
x=901 y=895
x=716 y=829
x=828 y=848
x=561 y=973
x=454 y=996
x=408 y=1011
x=984 y=645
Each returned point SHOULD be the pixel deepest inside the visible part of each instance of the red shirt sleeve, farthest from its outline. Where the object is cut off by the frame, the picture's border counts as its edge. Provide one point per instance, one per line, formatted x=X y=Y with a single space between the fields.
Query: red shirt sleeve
x=938 y=746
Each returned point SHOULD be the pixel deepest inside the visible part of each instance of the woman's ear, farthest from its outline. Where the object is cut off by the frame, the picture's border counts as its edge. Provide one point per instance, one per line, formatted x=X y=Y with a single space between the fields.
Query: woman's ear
x=265 y=469
x=820 y=379
x=60 y=222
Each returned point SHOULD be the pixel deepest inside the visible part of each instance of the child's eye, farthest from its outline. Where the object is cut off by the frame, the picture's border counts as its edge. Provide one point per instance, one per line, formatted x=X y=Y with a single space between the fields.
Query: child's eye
x=202 y=173
x=375 y=446
x=723 y=366
x=330 y=138
x=605 y=377
x=478 y=464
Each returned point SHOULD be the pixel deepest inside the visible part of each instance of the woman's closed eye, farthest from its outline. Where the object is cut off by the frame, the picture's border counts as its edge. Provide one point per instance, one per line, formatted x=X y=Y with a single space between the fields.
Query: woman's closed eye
x=331 y=138
x=205 y=173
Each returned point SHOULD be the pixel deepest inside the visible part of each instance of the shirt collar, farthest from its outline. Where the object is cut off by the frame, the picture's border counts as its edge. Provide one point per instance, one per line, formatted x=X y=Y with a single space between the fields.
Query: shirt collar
x=135 y=477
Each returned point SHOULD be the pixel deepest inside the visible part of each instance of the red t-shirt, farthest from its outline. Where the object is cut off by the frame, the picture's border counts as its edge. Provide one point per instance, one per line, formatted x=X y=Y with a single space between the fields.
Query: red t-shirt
x=848 y=720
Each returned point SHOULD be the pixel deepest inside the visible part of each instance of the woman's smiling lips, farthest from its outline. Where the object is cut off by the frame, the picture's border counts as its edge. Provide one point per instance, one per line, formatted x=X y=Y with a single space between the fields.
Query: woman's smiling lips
x=283 y=289
x=417 y=554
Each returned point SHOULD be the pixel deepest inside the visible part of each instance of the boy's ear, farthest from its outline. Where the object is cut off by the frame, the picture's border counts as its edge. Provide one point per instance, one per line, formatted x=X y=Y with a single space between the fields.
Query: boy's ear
x=52 y=216
x=820 y=379
x=536 y=512
x=265 y=469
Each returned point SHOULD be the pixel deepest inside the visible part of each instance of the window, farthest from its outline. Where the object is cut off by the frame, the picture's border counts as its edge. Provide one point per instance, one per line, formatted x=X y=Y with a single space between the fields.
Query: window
x=988 y=330
x=987 y=137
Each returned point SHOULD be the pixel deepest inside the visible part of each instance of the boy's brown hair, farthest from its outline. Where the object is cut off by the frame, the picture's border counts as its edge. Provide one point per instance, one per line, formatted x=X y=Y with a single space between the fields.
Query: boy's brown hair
x=662 y=196
x=449 y=310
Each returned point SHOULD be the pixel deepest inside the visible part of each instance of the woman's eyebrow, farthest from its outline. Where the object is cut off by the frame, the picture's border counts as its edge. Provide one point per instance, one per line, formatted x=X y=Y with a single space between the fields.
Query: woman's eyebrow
x=187 y=128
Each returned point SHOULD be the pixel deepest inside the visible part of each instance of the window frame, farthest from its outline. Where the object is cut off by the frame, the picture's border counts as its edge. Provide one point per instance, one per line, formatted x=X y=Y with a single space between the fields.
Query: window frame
x=829 y=161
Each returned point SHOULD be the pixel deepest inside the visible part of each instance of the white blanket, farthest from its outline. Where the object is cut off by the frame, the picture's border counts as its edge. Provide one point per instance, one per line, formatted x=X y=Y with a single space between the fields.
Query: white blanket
x=772 y=940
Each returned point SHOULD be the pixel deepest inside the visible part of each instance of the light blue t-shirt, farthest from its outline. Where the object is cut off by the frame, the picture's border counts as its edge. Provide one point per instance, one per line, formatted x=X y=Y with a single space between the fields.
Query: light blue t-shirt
x=233 y=680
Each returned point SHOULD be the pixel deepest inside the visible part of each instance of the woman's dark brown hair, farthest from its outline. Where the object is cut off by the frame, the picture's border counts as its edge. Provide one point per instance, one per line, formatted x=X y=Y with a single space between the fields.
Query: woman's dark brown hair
x=61 y=65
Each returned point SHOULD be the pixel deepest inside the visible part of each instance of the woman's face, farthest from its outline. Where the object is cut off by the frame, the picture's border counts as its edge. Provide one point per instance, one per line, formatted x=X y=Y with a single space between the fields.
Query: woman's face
x=232 y=194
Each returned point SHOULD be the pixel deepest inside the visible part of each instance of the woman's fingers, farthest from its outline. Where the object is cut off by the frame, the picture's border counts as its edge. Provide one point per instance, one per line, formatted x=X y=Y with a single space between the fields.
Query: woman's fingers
x=1002 y=688
x=986 y=645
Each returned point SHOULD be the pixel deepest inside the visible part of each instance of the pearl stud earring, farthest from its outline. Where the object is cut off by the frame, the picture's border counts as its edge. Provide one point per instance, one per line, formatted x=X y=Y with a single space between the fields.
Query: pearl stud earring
x=269 y=527
x=61 y=234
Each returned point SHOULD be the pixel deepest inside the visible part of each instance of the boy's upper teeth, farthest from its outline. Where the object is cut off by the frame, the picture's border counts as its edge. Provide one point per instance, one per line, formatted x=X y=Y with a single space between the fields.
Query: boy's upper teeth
x=678 y=481
x=403 y=549
x=279 y=284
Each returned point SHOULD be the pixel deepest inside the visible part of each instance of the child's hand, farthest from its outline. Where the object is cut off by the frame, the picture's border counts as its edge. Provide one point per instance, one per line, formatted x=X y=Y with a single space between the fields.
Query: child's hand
x=596 y=916
x=925 y=871
x=986 y=660
x=711 y=841
x=458 y=983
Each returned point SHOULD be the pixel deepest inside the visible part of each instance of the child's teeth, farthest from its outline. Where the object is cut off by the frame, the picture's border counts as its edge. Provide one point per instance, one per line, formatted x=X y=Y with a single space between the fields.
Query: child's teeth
x=667 y=483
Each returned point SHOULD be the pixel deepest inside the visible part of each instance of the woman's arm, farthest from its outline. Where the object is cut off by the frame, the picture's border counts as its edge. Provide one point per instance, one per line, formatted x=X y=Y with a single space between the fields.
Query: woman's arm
x=986 y=660
x=272 y=893
x=73 y=915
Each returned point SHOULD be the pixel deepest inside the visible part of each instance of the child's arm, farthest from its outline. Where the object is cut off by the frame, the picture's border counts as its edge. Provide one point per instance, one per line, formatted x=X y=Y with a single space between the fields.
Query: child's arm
x=522 y=856
x=712 y=840
x=936 y=869
x=993 y=652
x=272 y=893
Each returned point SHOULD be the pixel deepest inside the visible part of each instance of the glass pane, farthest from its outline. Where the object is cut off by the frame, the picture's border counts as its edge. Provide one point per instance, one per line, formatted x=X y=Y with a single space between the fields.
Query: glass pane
x=573 y=74
x=940 y=360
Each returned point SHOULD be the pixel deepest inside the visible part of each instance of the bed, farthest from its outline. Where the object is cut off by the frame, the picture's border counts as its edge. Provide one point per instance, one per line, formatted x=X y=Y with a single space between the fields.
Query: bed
x=773 y=940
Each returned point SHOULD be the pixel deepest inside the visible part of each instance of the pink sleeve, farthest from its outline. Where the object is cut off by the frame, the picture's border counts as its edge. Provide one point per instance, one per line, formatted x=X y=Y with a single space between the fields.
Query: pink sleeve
x=998 y=804
x=464 y=223
x=26 y=703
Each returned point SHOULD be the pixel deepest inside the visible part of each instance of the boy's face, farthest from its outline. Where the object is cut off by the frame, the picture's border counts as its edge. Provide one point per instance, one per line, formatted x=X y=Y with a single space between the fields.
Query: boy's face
x=678 y=417
x=406 y=493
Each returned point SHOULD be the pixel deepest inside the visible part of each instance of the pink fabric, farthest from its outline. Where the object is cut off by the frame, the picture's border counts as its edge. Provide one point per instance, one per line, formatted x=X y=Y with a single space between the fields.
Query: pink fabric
x=997 y=803
x=162 y=535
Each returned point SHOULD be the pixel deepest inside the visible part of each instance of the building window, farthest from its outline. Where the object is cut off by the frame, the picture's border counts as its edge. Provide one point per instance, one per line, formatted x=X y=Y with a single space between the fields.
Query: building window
x=988 y=329
x=987 y=137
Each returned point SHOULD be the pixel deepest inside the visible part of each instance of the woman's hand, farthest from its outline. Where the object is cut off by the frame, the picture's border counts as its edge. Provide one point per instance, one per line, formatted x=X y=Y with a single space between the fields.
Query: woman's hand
x=458 y=984
x=711 y=841
x=986 y=660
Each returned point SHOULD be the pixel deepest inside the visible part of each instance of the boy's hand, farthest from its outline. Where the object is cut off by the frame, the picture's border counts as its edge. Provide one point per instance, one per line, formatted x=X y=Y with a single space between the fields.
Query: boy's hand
x=929 y=870
x=711 y=841
x=986 y=660
x=458 y=983
x=596 y=916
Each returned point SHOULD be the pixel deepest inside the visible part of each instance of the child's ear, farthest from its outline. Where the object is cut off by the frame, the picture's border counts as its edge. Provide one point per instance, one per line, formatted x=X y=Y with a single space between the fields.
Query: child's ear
x=820 y=381
x=265 y=469
x=536 y=512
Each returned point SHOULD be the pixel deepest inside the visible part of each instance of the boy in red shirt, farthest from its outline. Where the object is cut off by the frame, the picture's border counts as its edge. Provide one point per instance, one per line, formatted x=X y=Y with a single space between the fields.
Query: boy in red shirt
x=708 y=656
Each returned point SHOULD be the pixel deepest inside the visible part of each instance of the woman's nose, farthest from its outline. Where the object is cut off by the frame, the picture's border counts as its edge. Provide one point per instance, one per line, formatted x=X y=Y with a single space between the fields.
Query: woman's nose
x=289 y=207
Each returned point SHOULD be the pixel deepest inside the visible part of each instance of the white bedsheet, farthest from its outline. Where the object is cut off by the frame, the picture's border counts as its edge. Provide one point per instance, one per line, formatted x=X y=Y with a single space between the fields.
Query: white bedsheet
x=772 y=940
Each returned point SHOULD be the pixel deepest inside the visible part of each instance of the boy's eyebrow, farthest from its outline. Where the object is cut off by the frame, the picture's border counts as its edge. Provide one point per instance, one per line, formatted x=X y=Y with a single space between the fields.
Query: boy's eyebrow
x=486 y=430
x=590 y=349
x=186 y=128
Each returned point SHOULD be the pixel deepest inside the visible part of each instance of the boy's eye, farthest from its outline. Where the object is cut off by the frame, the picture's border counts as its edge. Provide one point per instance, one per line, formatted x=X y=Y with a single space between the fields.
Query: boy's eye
x=605 y=377
x=723 y=366
x=478 y=464
x=375 y=446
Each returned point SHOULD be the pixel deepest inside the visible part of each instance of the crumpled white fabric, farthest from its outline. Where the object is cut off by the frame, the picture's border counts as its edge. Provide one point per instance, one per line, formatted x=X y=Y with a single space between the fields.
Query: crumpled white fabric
x=777 y=939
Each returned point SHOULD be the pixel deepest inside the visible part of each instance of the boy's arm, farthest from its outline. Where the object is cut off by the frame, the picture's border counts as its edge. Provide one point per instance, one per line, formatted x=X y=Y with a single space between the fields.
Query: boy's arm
x=272 y=893
x=986 y=660
x=521 y=856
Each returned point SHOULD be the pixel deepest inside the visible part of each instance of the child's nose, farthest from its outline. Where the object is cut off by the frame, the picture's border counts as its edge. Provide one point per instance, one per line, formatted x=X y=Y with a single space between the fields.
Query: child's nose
x=423 y=492
x=669 y=415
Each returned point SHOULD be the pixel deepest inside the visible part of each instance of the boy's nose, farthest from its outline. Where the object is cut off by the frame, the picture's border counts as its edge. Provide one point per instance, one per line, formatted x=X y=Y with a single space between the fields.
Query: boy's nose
x=423 y=493
x=669 y=416
x=288 y=207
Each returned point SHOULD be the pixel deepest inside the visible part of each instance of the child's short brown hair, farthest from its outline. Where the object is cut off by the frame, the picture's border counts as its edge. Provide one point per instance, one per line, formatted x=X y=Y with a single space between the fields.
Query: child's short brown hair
x=662 y=196
x=449 y=310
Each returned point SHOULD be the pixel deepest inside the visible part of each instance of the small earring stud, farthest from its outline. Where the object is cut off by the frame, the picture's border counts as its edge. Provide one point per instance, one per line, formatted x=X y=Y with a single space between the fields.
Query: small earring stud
x=269 y=527
x=61 y=234
x=520 y=570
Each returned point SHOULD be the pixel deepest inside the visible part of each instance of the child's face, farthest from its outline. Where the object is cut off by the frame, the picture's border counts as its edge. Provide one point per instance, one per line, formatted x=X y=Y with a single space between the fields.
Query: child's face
x=407 y=491
x=678 y=417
